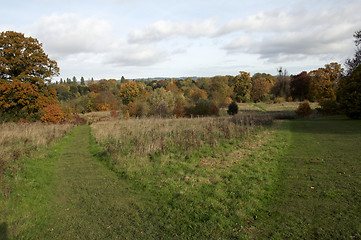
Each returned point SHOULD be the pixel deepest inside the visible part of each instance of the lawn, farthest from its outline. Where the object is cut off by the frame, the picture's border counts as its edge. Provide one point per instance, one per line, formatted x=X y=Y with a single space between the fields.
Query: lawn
x=318 y=192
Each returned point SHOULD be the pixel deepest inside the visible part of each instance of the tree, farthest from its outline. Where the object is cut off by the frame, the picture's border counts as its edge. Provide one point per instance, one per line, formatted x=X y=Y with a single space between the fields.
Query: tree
x=262 y=84
x=129 y=91
x=300 y=86
x=161 y=102
x=281 y=87
x=198 y=94
x=324 y=83
x=82 y=81
x=352 y=64
x=349 y=93
x=25 y=70
x=243 y=87
x=217 y=89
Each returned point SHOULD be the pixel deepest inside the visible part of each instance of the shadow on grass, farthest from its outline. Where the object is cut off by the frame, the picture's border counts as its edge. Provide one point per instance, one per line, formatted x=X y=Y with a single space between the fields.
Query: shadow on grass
x=4 y=231
x=338 y=125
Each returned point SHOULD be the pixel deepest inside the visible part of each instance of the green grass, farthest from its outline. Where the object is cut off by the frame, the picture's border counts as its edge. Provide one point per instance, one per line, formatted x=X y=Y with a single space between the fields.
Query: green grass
x=318 y=193
x=27 y=208
x=299 y=179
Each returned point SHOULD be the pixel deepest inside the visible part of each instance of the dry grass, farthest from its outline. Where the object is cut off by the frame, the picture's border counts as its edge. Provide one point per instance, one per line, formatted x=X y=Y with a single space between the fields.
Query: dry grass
x=284 y=106
x=18 y=140
x=151 y=138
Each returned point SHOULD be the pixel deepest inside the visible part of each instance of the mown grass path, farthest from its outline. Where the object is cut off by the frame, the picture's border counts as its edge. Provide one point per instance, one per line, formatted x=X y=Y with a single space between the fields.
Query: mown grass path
x=90 y=202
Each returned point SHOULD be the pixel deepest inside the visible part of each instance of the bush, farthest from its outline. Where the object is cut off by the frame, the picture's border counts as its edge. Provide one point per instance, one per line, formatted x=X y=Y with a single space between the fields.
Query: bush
x=232 y=108
x=52 y=114
x=204 y=107
x=329 y=107
x=304 y=109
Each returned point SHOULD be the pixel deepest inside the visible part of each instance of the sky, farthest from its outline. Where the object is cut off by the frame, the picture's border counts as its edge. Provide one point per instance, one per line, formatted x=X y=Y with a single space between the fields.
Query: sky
x=109 y=39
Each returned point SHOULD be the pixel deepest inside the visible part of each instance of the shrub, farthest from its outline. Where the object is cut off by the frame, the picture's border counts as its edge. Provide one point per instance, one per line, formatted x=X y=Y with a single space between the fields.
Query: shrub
x=232 y=108
x=53 y=114
x=304 y=109
x=329 y=107
x=204 y=107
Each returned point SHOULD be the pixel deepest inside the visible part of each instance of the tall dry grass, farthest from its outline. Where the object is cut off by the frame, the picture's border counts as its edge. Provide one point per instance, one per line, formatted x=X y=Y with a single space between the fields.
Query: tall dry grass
x=19 y=140
x=146 y=137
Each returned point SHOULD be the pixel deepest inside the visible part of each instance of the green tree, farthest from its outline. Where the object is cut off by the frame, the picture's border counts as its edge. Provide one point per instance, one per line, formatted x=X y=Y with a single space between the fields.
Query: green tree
x=82 y=81
x=349 y=93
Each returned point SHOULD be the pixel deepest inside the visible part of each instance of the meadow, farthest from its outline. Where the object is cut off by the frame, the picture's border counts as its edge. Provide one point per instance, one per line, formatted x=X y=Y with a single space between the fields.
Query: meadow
x=250 y=176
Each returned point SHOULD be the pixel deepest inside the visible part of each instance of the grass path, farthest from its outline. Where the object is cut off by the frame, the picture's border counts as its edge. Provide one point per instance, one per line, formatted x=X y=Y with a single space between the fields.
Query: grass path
x=303 y=184
x=91 y=202
x=67 y=193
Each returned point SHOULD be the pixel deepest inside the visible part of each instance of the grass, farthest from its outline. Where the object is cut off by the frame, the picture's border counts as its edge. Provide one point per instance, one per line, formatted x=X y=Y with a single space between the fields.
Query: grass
x=294 y=180
x=206 y=192
x=319 y=189
x=19 y=140
x=26 y=208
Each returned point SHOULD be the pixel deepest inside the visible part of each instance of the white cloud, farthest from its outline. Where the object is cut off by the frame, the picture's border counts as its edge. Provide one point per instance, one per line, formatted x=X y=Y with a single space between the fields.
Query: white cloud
x=164 y=29
x=69 y=34
x=135 y=55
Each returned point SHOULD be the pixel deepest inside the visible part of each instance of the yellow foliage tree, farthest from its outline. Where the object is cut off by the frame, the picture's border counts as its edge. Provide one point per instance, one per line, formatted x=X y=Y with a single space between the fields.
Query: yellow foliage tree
x=129 y=91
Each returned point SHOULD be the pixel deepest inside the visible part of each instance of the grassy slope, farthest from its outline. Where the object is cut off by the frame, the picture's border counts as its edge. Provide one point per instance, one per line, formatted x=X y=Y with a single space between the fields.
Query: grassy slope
x=27 y=208
x=68 y=194
x=319 y=191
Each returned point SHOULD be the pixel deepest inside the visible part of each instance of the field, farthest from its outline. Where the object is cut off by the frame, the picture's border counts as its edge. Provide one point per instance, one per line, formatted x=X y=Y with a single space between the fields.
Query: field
x=242 y=177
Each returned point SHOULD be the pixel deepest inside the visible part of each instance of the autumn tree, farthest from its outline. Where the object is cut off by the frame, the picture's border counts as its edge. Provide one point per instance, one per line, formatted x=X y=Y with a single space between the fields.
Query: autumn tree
x=198 y=94
x=25 y=71
x=243 y=87
x=262 y=84
x=324 y=83
x=129 y=91
x=300 y=86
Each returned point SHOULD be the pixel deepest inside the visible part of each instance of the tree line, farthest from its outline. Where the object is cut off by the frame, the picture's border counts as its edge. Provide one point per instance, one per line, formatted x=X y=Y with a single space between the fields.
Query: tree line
x=27 y=93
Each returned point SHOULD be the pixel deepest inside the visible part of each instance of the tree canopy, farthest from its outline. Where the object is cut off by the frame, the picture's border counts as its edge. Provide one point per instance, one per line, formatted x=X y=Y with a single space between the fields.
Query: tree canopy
x=25 y=70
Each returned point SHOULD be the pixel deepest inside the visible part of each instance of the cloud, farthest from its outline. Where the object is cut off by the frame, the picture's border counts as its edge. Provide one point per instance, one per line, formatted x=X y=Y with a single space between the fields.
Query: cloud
x=161 y=30
x=136 y=55
x=276 y=35
x=80 y=39
x=69 y=34
x=306 y=33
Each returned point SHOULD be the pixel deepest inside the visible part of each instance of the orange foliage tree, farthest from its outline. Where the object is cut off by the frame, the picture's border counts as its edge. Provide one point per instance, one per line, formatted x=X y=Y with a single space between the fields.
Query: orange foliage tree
x=25 y=70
